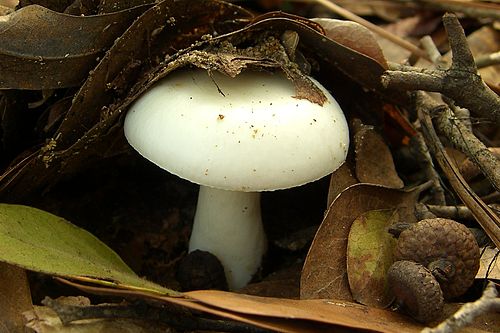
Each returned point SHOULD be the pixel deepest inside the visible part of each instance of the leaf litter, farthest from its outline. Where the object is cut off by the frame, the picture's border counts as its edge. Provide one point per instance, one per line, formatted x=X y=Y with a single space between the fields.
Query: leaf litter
x=162 y=40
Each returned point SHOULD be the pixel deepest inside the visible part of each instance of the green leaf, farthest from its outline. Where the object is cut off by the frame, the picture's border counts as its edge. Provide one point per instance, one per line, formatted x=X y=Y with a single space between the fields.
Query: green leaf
x=43 y=242
x=369 y=256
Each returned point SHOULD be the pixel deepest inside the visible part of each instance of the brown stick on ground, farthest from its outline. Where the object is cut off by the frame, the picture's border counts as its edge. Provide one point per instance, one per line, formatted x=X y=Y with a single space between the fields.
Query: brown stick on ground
x=460 y=82
x=468 y=8
x=485 y=216
x=469 y=311
x=463 y=138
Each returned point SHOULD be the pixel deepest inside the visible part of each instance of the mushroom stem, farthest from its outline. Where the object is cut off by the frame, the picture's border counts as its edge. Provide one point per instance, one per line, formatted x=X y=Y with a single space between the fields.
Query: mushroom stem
x=228 y=224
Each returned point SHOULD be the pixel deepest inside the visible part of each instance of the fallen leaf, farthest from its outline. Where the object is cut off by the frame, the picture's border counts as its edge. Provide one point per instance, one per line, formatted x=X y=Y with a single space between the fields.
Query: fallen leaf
x=324 y=311
x=133 y=64
x=324 y=274
x=369 y=256
x=340 y=179
x=91 y=125
x=367 y=71
x=115 y=6
x=353 y=35
x=38 y=45
x=15 y=298
x=55 y=5
x=282 y=315
x=374 y=163
x=117 y=72
x=39 y=241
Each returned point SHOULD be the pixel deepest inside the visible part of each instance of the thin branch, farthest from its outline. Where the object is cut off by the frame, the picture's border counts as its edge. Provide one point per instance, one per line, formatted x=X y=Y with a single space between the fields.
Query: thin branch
x=486 y=60
x=431 y=49
x=477 y=97
x=462 y=138
x=424 y=157
x=454 y=212
x=469 y=311
x=485 y=216
x=462 y=59
x=411 y=78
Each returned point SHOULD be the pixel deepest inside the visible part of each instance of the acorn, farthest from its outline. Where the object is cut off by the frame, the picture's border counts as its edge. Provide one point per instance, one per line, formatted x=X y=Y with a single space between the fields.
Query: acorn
x=201 y=270
x=416 y=291
x=445 y=247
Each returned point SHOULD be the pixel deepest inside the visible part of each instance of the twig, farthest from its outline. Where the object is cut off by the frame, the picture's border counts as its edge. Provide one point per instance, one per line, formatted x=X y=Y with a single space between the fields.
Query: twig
x=179 y=320
x=463 y=139
x=460 y=113
x=380 y=31
x=488 y=220
x=471 y=9
x=451 y=212
x=486 y=60
x=431 y=49
x=454 y=212
x=425 y=159
x=469 y=311
x=477 y=97
x=459 y=133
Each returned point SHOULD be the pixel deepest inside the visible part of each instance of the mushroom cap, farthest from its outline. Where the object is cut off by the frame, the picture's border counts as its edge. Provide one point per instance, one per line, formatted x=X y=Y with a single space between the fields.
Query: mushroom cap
x=246 y=133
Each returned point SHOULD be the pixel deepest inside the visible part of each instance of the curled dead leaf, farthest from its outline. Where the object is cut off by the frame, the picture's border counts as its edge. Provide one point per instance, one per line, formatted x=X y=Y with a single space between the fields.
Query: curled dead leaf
x=38 y=46
x=353 y=35
x=324 y=274
x=374 y=163
x=144 y=54
x=91 y=125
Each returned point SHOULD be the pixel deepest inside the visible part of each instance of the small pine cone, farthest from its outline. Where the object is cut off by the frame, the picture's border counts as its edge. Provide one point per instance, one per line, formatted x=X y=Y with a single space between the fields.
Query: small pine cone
x=444 y=246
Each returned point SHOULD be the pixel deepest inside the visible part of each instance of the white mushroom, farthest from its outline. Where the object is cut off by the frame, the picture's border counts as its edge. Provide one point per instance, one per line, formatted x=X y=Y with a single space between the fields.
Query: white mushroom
x=236 y=137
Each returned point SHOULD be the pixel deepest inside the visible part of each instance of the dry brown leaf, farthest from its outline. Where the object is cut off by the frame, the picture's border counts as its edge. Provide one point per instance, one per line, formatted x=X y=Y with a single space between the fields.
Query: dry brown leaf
x=354 y=36
x=137 y=60
x=282 y=315
x=90 y=127
x=323 y=311
x=367 y=71
x=325 y=270
x=15 y=298
x=38 y=46
x=374 y=163
x=340 y=179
